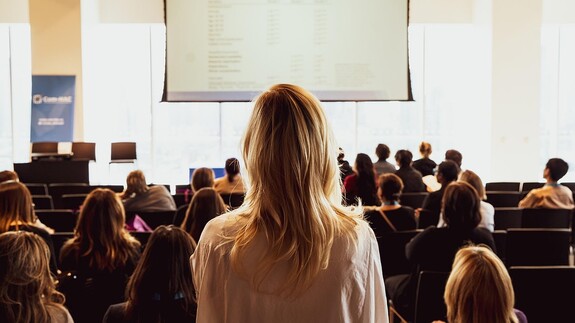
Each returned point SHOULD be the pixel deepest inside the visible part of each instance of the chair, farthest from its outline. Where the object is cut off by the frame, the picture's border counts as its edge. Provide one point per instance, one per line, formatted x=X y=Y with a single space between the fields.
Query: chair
x=500 y=238
x=37 y=188
x=142 y=237
x=502 y=186
x=180 y=215
x=42 y=202
x=546 y=218
x=528 y=186
x=123 y=152
x=84 y=151
x=544 y=294
x=45 y=147
x=537 y=247
x=507 y=217
x=59 y=220
x=392 y=251
x=58 y=240
x=503 y=199
x=233 y=200
x=154 y=219
x=427 y=218
x=413 y=199
x=429 y=303
x=56 y=190
x=181 y=199
x=182 y=188
x=73 y=201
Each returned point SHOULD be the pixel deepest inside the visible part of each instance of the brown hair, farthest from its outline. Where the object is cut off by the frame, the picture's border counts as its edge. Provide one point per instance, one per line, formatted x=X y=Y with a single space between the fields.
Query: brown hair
x=461 y=206
x=15 y=205
x=474 y=180
x=390 y=186
x=205 y=205
x=202 y=177
x=8 y=175
x=135 y=184
x=425 y=149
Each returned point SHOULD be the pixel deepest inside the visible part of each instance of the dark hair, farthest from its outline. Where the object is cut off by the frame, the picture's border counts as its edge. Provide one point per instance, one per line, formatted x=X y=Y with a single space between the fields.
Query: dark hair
x=205 y=205
x=366 y=189
x=557 y=168
x=461 y=206
x=391 y=186
x=202 y=177
x=232 y=168
x=161 y=283
x=455 y=156
x=382 y=151
x=403 y=157
x=448 y=170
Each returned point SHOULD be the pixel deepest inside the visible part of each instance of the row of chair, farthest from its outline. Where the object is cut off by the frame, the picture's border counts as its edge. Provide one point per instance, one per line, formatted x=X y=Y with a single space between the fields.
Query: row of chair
x=520 y=186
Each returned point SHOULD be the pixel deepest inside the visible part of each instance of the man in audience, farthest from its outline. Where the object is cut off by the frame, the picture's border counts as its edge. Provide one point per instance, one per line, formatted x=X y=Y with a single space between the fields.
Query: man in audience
x=411 y=178
x=552 y=195
x=455 y=156
x=447 y=172
x=382 y=166
x=344 y=167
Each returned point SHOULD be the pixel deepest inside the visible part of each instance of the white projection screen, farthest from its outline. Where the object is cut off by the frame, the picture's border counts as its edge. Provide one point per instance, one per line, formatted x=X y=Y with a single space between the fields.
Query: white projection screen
x=340 y=50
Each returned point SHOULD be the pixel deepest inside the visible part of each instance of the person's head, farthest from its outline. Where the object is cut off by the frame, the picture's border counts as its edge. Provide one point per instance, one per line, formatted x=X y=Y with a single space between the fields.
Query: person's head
x=363 y=164
x=390 y=187
x=479 y=288
x=162 y=276
x=555 y=169
x=8 y=176
x=100 y=231
x=455 y=156
x=27 y=286
x=403 y=158
x=460 y=206
x=382 y=151
x=473 y=179
x=136 y=182
x=202 y=177
x=425 y=149
x=340 y=154
x=295 y=195
x=206 y=204
x=447 y=172
x=15 y=205
x=232 y=168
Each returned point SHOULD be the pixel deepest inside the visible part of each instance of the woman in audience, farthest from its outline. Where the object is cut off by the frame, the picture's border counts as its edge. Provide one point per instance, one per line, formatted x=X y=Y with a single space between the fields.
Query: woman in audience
x=361 y=184
x=479 y=289
x=17 y=214
x=102 y=252
x=139 y=197
x=434 y=248
x=391 y=215
x=412 y=179
x=425 y=165
x=161 y=288
x=288 y=253
x=206 y=205
x=27 y=291
x=201 y=177
x=232 y=182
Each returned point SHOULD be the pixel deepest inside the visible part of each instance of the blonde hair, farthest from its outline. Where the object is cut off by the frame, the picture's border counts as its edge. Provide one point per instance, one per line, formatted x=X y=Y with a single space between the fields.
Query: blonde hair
x=479 y=288
x=100 y=234
x=473 y=179
x=295 y=194
x=27 y=288
x=15 y=205
x=425 y=149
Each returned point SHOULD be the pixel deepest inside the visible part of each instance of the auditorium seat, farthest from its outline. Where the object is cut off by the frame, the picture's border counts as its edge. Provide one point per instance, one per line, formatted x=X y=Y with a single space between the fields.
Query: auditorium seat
x=233 y=200
x=180 y=215
x=37 y=188
x=429 y=303
x=392 y=251
x=507 y=217
x=56 y=190
x=58 y=239
x=546 y=218
x=413 y=199
x=500 y=238
x=58 y=219
x=503 y=199
x=503 y=186
x=537 y=247
x=73 y=201
x=427 y=218
x=42 y=202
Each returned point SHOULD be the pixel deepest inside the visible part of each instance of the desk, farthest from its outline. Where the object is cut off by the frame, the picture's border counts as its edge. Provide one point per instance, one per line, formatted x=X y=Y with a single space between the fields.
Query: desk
x=53 y=171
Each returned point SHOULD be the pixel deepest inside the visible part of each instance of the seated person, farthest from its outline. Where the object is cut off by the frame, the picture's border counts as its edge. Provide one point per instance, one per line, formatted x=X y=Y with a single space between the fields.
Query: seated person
x=139 y=197
x=425 y=165
x=201 y=177
x=411 y=178
x=447 y=173
x=344 y=167
x=206 y=205
x=382 y=166
x=232 y=182
x=552 y=195
x=361 y=184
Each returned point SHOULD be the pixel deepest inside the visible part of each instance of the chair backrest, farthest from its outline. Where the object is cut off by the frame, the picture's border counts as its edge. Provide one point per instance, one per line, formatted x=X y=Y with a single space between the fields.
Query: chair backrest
x=413 y=199
x=233 y=200
x=84 y=151
x=429 y=303
x=181 y=199
x=37 y=188
x=507 y=217
x=528 y=186
x=59 y=220
x=537 y=247
x=546 y=218
x=392 y=252
x=46 y=147
x=427 y=218
x=42 y=202
x=73 y=201
x=544 y=294
x=503 y=186
x=154 y=219
x=56 y=190
x=503 y=199
x=500 y=238
x=180 y=215
x=123 y=152
x=58 y=239
x=182 y=188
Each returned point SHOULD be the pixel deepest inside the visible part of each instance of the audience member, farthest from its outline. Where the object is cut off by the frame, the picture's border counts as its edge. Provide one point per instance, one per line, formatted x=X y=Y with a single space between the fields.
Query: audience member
x=206 y=205
x=411 y=178
x=447 y=172
x=455 y=156
x=102 y=253
x=287 y=255
x=425 y=165
x=8 y=176
x=361 y=184
x=382 y=166
x=391 y=215
x=232 y=182
x=434 y=248
x=161 y=288
x=345 y=168
x=17 y=214
x=479 y=289
x=27 y=292
x=139 y=197
x=202 y=177
x=552 y=195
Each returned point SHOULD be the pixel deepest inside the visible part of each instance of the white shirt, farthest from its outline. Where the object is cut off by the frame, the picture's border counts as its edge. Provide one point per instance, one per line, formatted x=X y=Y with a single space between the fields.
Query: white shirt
x=350 y=289
x=487 y=212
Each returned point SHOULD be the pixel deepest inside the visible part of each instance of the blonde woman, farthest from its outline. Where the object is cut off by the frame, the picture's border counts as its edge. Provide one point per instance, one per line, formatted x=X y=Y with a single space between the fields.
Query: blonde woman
x=479 y=289
x=425 y=165
x=291 y=252
x=27 y=292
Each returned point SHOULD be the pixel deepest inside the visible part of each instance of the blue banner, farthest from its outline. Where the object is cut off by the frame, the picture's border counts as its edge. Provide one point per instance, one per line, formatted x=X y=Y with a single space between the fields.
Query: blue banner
x=52 y=108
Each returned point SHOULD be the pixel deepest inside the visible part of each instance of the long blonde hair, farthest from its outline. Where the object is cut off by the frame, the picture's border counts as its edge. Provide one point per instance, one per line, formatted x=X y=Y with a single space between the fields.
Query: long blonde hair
x=294 y=195
x=479 y=288
x=27 y=287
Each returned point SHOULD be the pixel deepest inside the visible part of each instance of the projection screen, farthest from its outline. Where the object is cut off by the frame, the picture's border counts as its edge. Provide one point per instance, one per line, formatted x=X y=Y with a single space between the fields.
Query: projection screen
x=341 y=50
